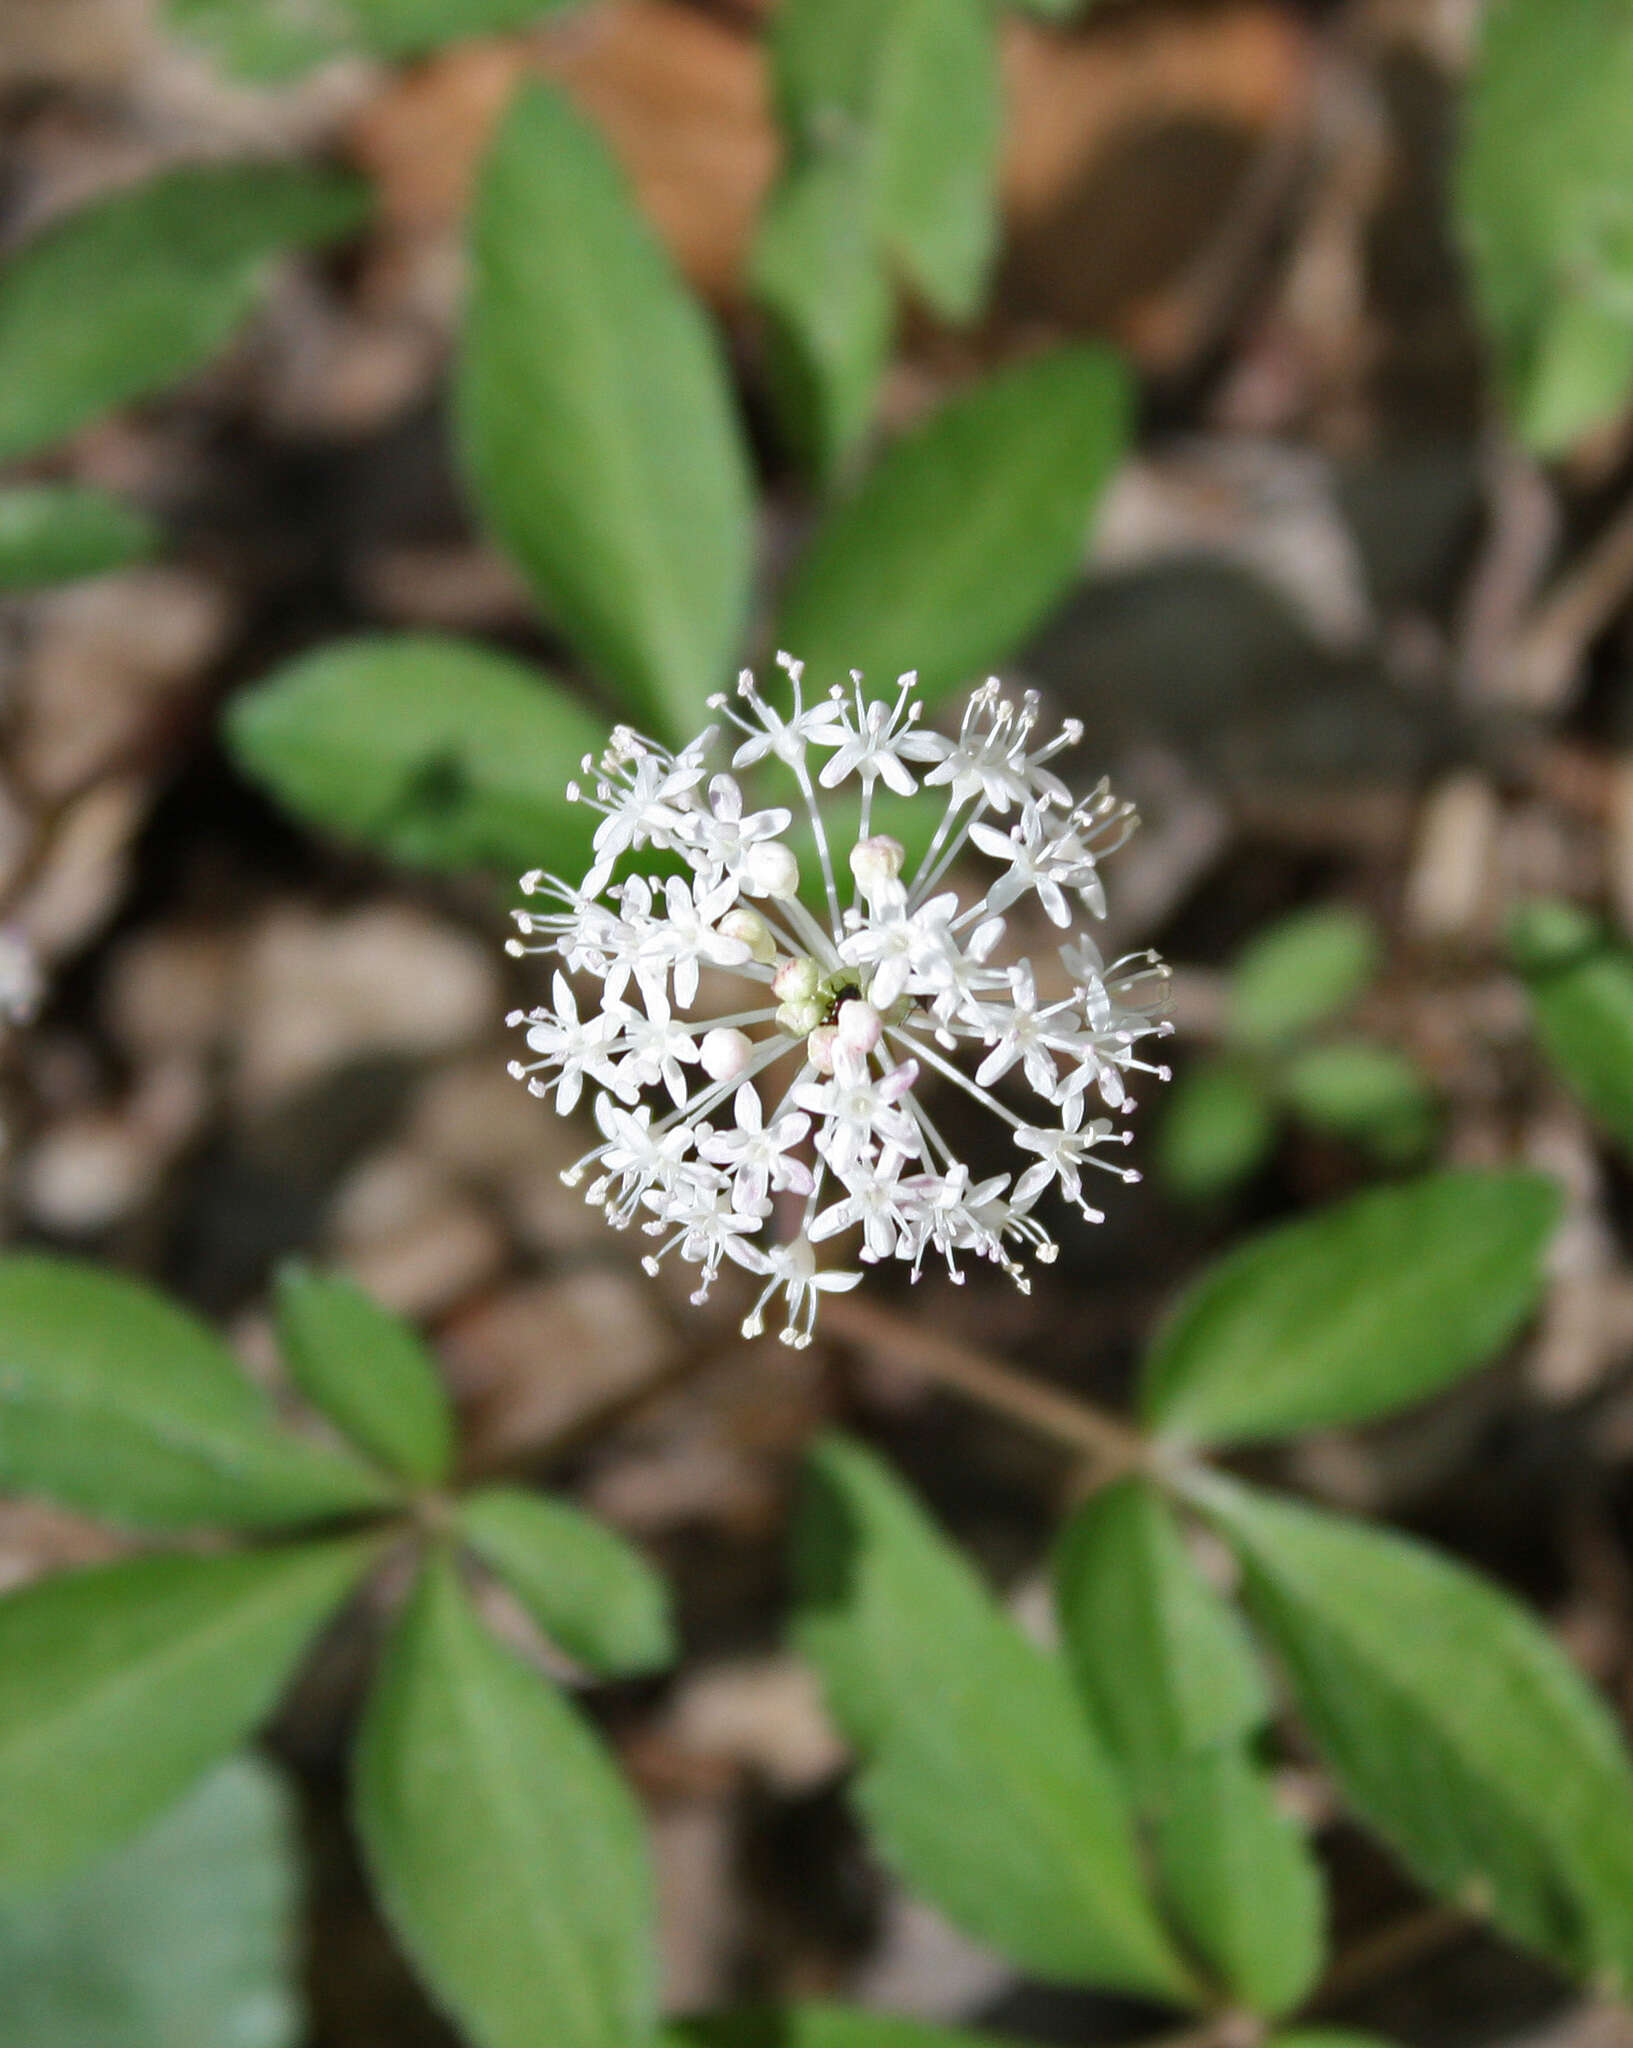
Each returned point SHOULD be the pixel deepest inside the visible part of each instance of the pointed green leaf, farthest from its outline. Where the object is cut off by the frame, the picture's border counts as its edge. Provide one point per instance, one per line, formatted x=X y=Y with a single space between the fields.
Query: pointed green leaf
x=271 y=41
x=1351 y=1313
x=1542 y=182
x=134 y=292
x=587 y=1588
x=820 y=2026
x=1580 y=981
x=1369 y=1094
x=1241 y=1879
x=116 y=1401
x=1452 y=1723
x=1299 y=973
x=185 y=1938
x=826 y=57
x=368 y=1371
x=829 y=305
x=1217 y=1128
x=597 y=418
x=505 y=1847
x=122 y=1684
x=437 y=752
x=982 y=1781
x=968 y=531
x=939 y=125
x=53 y=533
x=1162 y=1659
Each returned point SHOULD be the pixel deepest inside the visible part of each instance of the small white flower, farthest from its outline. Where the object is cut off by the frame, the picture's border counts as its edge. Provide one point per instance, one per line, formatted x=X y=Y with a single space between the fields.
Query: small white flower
x=794 y=1275
x=844 y=1021
x=860 y=1112
x=758 y=1156
x=1062 y=1156
x=878 y=742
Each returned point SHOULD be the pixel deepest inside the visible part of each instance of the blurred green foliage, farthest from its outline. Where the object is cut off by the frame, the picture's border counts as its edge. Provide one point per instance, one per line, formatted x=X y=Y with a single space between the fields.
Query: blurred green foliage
x=183 y=1938
x=1295 y=979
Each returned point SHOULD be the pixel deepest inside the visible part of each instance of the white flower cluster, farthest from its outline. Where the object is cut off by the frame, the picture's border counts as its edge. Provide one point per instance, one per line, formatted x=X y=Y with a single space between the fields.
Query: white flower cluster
x=857 y=1009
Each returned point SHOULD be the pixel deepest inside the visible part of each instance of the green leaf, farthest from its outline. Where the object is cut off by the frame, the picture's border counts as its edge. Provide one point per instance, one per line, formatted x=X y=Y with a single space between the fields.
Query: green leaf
x=1346 y=1315
x=826 y=56
x=1328 y=2037
x=587 y=1588
x=115 y=1401
x=984 y=1784
x=906 y=92
x=819 y=2026
x=183 y=1939
x=53 y=533
x=368 y=1371
x=1299 y=973
x=122 y=1684
x=830 y=308
x=133 y=293
x=967 y=532
x=1543 y=183
x=435 y=751
x=1240 y=1876
x=1163 y=1661
x=939 y=127
x=1581 y=986
x=271 y=41
x=506 y=1849
x=1452 y=1723
x=1546 y=935
x=1369 y=1094
x=597 y=418
x=1218 y=1125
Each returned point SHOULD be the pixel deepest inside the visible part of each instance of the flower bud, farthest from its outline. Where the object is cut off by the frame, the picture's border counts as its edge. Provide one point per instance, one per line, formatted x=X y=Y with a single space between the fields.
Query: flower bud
x=801 y=1016
x=877 y=863
x=859 y=1025
x=725 y=1053
x=750 y=929
x=821 y=1046
x=796 y=980
x=770 y=869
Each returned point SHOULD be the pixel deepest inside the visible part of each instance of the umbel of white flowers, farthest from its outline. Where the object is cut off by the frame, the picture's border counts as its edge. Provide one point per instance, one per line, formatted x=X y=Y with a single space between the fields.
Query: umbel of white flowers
x=798 y=1114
